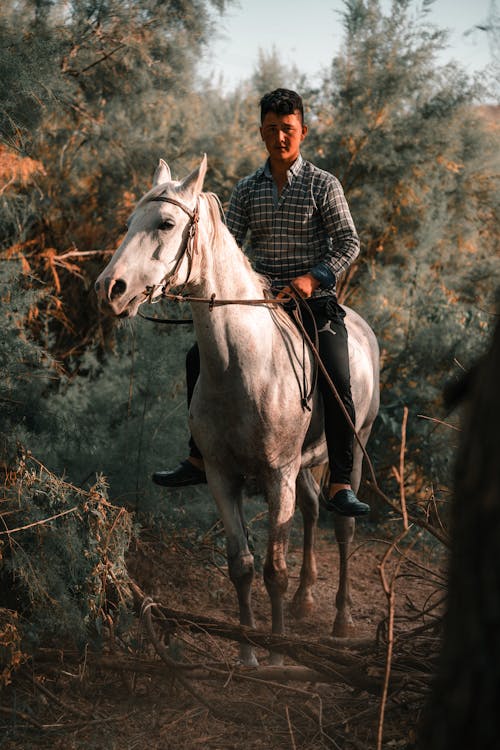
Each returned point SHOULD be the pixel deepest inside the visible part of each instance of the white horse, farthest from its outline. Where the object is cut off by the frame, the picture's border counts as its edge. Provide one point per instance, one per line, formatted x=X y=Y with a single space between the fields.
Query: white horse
x=246 y=415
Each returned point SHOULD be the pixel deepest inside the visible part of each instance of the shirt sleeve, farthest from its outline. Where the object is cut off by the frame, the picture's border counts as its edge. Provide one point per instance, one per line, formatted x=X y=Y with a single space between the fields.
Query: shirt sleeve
x=237 y=215
x=343 y=248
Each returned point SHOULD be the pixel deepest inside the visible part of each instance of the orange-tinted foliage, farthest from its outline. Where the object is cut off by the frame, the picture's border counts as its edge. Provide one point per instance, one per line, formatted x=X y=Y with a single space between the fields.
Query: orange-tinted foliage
x=16 y=169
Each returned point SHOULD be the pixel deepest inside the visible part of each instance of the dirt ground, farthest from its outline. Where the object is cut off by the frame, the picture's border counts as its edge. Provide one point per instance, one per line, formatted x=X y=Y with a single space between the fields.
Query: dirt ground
x=90 y=702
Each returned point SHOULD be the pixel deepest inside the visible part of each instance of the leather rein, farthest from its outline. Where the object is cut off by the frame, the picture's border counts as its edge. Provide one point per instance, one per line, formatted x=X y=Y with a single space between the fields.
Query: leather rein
x=189 y=251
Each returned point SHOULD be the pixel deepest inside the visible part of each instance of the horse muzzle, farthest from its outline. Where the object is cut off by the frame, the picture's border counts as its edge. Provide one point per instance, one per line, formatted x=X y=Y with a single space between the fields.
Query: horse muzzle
x=113 y=292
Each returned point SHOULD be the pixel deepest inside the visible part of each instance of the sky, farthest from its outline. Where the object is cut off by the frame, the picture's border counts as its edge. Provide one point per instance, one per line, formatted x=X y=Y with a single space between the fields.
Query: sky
x=308 y=33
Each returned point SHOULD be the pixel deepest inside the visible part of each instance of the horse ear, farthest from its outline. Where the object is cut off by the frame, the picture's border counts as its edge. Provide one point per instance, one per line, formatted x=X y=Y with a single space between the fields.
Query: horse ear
x=194 y=181
x=162 y=173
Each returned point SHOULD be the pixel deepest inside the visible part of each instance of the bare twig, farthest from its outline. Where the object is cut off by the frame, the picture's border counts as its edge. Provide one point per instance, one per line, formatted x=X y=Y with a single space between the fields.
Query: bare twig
x=39 y=523
x=97 y=62
x=171 y=663
x=440 y=421
x=67 y=706
x=290 y=728
x=87 y=723
x=82 y=253
x=402 y=469
x=390 y=594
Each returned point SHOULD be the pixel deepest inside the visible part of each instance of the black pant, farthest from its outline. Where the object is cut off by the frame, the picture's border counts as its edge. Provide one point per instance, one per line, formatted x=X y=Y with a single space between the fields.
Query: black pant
x=332 y=339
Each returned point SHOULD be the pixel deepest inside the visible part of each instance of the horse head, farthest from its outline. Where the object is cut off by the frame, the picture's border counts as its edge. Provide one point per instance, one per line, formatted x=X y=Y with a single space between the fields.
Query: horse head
x=157 y=249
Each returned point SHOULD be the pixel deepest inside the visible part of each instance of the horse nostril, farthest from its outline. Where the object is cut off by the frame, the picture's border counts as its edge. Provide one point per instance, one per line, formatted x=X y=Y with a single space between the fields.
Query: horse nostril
x=118 y=288
x=114 y=288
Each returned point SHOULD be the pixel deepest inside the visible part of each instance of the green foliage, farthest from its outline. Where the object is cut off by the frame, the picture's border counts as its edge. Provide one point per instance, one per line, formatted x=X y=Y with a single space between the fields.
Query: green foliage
x=107 y=88
x=25 y=368
x=63 y=556
x=94 y=92
x=124 y=414
x=270 y=73
x=418 y=161
x=86 y=59
x=230 y=137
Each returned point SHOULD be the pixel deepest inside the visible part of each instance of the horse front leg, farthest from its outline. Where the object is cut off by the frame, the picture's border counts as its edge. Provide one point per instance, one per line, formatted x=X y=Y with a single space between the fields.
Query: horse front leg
x=307 y=499
x=228 y=496
x=280 y=496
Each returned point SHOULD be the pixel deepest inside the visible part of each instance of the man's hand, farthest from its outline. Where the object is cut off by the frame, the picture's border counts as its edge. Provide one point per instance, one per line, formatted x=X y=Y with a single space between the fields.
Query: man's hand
x=305 y=285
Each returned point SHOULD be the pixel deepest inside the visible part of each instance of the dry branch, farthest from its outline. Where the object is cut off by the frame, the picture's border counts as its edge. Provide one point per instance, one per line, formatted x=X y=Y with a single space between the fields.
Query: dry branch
x=122 y=662
x=20 y=715
x=37 y=523
x=326 y=663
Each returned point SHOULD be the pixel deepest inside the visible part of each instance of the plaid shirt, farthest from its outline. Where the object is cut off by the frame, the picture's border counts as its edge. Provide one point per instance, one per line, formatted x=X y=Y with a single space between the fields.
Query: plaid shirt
x=306 y=229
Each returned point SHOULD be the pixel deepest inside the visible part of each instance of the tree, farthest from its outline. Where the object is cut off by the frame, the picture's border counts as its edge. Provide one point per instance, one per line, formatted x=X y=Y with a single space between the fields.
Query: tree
x=271 y=72
x=418 y=161
x=91 y=94
x=94 y=91
x=25 y=369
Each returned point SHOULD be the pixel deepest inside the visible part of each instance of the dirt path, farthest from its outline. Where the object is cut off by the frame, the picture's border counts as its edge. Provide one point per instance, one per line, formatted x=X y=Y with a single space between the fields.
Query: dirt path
x=103 y=708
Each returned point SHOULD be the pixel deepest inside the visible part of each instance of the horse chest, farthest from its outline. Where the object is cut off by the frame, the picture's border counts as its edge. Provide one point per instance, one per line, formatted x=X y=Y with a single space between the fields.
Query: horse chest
x=247 y=428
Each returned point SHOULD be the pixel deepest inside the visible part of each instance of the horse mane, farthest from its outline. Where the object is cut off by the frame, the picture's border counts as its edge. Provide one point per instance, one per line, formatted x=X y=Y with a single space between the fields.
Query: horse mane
x=219 y=234
x=216 y=216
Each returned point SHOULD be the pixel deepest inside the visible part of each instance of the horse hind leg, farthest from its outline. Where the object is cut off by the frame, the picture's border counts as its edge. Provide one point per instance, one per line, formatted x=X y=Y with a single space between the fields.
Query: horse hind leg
x=343 y=625
x=307 y=498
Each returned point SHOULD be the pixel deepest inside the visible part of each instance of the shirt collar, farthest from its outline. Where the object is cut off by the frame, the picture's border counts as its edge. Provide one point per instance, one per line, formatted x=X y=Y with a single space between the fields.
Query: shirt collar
x=293 y=171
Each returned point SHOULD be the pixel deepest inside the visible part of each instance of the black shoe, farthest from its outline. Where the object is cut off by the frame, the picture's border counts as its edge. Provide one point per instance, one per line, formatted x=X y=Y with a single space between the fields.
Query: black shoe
x=345 y=503
x=182 y=476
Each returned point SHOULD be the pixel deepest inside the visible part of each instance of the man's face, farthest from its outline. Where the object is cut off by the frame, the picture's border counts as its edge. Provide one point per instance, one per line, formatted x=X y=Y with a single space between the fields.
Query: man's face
x=283 y=135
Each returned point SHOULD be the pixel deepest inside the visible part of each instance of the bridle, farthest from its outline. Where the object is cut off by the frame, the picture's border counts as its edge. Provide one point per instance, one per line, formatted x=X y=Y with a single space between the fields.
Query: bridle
x=190 y=248
x=189 y=251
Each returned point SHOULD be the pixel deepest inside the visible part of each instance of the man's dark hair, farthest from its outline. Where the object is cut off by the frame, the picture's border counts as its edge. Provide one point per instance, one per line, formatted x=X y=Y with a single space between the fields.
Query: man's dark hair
x=281 y=102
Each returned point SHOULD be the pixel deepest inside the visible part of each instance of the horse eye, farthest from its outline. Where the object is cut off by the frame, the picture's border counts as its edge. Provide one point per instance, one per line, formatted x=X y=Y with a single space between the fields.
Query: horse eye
x=166 y=225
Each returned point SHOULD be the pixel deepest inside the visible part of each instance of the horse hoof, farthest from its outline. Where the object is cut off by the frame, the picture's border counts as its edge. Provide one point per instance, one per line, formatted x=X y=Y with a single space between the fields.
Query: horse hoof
x=343 y=628
x=302 y=607
x=247 y=660
x=275 y=659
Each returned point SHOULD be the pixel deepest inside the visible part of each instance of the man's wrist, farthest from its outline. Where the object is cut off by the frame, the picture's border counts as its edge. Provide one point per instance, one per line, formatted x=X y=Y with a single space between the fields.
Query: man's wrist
x=324 y=275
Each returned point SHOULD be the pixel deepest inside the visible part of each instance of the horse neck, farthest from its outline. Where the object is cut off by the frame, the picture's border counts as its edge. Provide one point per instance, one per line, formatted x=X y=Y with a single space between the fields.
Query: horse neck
x=224 y=271
x=222 y=268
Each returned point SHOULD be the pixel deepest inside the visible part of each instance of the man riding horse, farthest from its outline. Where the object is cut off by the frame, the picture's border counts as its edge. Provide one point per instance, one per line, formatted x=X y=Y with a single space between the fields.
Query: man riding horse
x=302 y=237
